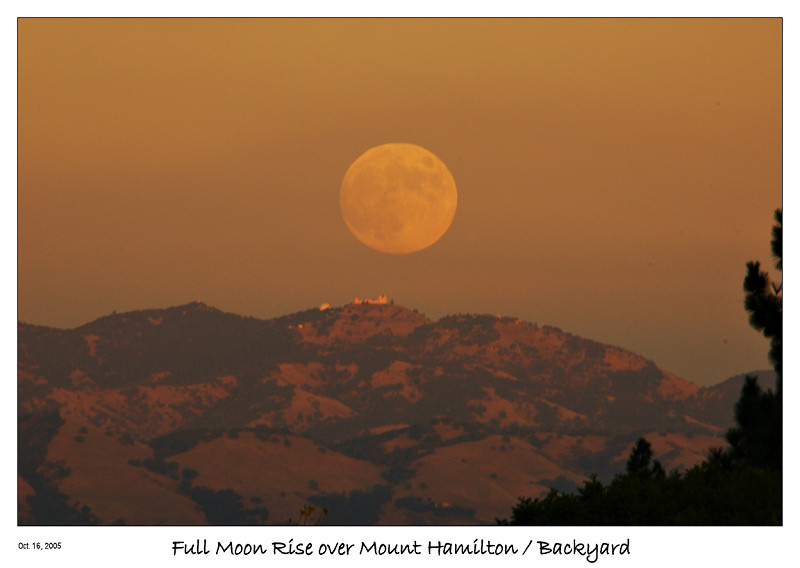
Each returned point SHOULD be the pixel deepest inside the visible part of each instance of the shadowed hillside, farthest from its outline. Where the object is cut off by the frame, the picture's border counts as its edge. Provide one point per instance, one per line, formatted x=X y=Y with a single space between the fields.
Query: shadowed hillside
x=189 y=415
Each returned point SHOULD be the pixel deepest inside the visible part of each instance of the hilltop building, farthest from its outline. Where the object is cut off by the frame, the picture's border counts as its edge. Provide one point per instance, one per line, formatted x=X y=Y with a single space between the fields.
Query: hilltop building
x=379 y=300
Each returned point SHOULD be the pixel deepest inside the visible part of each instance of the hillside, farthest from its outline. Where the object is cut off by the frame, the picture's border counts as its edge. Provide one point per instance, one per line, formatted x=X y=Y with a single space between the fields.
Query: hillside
x=189 y=415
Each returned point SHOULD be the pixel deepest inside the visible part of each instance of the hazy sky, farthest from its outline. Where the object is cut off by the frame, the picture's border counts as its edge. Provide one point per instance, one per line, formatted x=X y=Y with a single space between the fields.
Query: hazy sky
x=614 y=176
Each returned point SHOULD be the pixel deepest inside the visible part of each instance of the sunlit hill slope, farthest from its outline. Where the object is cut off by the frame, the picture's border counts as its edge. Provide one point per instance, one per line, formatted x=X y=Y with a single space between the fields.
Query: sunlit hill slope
x=189 y=415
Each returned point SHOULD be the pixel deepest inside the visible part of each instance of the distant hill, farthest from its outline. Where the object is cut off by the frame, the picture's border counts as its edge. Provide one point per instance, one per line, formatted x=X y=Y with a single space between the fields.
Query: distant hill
x=189 y=415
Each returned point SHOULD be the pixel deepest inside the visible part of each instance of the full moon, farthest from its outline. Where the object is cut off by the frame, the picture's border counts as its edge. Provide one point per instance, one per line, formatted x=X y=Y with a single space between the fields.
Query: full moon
x=398 y=198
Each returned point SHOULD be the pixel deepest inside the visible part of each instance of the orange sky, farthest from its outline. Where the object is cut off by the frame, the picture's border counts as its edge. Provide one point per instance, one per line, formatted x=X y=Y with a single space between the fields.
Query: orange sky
x=614 y=176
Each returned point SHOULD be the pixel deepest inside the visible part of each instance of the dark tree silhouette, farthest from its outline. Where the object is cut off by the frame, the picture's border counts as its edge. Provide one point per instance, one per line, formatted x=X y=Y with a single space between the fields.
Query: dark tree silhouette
x=757 y=438
x=764 y=301
x=639 y=462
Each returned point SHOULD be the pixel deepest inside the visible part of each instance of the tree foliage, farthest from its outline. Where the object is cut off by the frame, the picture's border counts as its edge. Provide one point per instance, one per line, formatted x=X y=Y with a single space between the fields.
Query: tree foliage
x=757 y=438
x=764 y=299
x=713 y=492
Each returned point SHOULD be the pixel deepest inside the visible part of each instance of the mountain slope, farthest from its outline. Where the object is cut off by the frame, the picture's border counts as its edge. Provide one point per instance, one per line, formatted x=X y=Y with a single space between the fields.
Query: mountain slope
x=367 y=408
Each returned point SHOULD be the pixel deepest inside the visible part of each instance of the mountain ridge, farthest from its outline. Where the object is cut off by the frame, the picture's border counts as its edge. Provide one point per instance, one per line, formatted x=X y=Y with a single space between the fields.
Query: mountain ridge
x=375 y=388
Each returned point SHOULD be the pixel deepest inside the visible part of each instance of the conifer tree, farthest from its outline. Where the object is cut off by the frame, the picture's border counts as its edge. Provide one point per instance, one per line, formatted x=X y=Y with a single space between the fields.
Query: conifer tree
x=764 y=301
x=757 y=438
x=639 y=461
